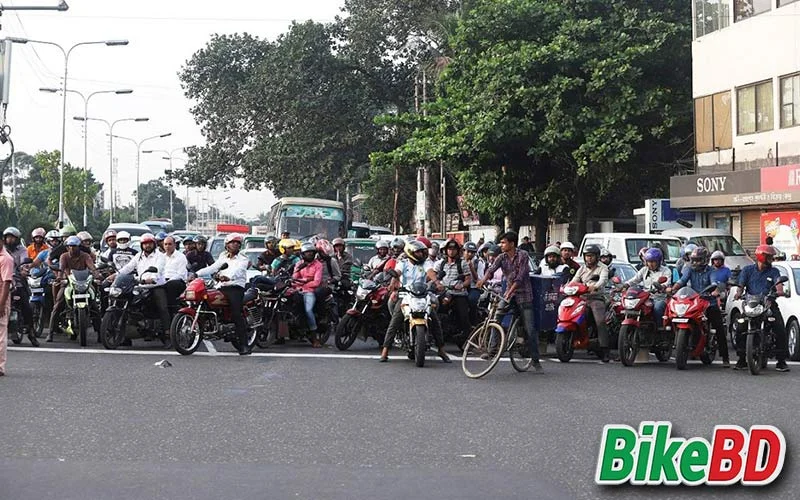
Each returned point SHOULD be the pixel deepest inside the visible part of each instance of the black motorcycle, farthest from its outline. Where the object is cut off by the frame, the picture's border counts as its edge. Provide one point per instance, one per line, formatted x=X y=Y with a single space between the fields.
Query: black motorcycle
x=16 y=328
x=756 y=323
x=131 y=313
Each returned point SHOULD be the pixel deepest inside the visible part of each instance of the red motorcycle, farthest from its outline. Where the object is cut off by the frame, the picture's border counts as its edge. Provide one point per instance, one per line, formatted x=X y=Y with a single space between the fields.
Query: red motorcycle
x=208 y=316
x=640 y=329
x=576 y=328
x=369 y=316
x=694 y=337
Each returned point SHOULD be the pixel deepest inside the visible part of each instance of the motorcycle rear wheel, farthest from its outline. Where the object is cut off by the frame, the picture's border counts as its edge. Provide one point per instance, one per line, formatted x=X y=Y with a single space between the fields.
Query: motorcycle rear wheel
x=564 y=347
x=347 y=332
x=82 y=323
x=628 y=346
x=185 y=339
x=681 y=349
x=420 y=344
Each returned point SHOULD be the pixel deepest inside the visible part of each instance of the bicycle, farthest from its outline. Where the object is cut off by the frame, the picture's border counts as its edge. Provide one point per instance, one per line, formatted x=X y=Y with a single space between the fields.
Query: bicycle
x=489 y=341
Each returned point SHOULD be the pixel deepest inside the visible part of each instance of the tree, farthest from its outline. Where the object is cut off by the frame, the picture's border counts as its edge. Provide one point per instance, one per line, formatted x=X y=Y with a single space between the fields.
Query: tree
x=552 y=108
x=154 y=202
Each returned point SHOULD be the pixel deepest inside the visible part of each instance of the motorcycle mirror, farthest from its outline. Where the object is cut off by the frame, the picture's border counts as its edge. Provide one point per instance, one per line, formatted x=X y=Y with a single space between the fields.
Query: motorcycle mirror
x=662 y=279
x=151 y=269
x=27 y=260
x=357 y=263
x=223 y=266
x=96 y=246
x=782 y=279
x=101 y=266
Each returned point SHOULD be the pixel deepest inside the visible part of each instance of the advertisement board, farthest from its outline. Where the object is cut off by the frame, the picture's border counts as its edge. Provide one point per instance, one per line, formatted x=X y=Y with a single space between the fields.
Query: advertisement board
x=783 y=227
x=660 y=216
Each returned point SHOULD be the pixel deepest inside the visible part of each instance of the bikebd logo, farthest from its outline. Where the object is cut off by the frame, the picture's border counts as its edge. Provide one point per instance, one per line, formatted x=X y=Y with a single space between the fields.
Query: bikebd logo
x=652 y=456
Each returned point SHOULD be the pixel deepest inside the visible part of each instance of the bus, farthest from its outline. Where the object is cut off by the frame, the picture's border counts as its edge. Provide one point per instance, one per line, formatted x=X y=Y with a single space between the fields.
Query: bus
x=307 y=217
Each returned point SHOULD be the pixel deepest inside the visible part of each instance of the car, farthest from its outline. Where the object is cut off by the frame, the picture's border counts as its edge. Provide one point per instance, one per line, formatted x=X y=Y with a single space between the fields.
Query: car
x=789 y=306
x=215 y=246
x=252 y=255
x=626 y=246
x=253 y=241
x=135 y=230
x=184 y=234
x=158 y=226
x=714 y=239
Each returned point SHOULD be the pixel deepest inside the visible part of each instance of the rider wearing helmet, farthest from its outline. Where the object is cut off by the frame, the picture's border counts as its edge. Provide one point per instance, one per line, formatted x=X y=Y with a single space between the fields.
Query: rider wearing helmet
x=232 y=281
x=271 y=253
x=344 y=259
x=12 y=239
x=160 y=237
x=700 y=275
x=287 y=259
x=151 y=257
x=408 y=271
x=331 y=274
x=686 y=253
x=110 y=239
x=38 y=244
x=452 y=275
x=567 y=251
x=594 y=274
x=551 y=263
x=649 y=276
x=73 y=260
x=377 y=264
x=516 y=266
x=758 y=279
x=607 y=258
x=495 y=281
x=86 y=241
x=199 y=257
x=53 y=238
x=434 y=253
x=398 y=246
x=722 y=273
x=308 y=277
x=120 y=253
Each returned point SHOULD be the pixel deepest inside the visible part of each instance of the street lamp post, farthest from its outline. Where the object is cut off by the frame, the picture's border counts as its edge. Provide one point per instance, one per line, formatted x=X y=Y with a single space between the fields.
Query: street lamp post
x=66 y=53
x=86 y=134
x=138 y=155
x=111 y=153
x=170 y=156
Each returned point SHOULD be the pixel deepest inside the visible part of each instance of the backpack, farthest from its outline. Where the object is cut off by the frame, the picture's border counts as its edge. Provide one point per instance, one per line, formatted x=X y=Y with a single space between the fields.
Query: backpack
x=441 y=272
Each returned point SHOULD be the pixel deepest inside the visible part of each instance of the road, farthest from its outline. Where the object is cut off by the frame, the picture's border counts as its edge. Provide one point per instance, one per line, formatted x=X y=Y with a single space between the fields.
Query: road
x=301 y=423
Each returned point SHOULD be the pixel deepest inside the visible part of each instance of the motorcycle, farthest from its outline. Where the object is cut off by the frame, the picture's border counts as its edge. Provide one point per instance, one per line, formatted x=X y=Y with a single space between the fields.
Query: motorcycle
x=369 y=316
x=39 y=282
x=130 y=313
x=284 y=313
x=208 y=316
x=80 y=298
x=640 y=328
x=757 y=325
x=576 y=328
x=416 y=306
x=15 y=327
x=451 y=329
x=686 y=317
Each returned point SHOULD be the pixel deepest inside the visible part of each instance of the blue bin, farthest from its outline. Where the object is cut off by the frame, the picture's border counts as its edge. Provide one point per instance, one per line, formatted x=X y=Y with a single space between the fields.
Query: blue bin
x=546 y=298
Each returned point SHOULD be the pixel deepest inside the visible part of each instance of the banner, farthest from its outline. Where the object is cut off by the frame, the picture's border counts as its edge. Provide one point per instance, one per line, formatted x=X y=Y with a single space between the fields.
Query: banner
x=784 y=228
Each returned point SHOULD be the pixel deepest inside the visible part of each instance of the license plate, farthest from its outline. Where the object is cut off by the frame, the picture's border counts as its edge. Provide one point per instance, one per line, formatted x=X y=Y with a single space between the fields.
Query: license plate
x=37 y=290
x=80 y=296
x=681 y=320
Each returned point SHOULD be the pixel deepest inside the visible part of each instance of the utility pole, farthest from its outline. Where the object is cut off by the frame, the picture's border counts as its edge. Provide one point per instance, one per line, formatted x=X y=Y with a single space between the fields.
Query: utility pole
x=443 y=204
x=426 y=178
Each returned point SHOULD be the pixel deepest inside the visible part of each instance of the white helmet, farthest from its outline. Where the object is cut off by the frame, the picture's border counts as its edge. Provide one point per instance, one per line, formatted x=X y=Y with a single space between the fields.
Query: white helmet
x=551 y=249
x=123 y=235
x=568 y=245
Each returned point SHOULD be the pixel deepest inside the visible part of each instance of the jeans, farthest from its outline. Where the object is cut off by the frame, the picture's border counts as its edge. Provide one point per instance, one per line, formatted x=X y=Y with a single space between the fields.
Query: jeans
x=309 y=300
x=460 y=306
x=531 y=335
x=659 y=308
x=474 y=297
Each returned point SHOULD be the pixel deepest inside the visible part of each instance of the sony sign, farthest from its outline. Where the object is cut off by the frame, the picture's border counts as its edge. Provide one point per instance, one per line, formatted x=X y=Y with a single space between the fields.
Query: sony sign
x=711 y=184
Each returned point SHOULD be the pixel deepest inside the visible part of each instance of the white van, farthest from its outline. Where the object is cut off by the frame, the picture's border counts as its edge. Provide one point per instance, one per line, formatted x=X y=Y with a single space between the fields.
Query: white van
x=714 y=239
x=626 y=246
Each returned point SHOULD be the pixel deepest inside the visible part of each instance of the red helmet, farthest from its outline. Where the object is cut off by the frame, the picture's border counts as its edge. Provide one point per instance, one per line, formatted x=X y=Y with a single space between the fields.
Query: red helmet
x=324 y=247
x=147 y=238
x=425 y=241
x=762 y=251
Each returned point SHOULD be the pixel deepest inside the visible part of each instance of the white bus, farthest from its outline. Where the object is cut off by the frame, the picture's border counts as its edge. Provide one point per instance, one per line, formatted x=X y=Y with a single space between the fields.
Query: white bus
x=307 y=217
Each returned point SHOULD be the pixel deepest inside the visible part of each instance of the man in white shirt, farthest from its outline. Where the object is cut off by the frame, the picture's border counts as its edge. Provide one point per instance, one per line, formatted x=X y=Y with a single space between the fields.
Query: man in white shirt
x=140 y=263
x=176 y=271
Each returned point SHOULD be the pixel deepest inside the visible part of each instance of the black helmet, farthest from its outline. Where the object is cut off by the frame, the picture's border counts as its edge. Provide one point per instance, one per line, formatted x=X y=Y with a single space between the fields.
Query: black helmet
x=470 y=246
x=593 y=249
x=699 y=258
x=494 y=250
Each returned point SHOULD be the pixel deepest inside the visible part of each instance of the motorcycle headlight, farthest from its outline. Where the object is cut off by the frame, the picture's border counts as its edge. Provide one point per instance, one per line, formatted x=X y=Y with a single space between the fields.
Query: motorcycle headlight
x=114 y=291
x=361 y=294
x=81 y=287
x=680 y=309
x=35 y=282
x=630 y=303
x=418 y=304
x=753 y=311
x=568 y=302
x=570 y=290
x=190 y=295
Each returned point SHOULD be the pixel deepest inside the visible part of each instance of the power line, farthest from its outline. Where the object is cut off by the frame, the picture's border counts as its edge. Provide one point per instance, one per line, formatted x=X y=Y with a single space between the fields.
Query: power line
x=187 y=18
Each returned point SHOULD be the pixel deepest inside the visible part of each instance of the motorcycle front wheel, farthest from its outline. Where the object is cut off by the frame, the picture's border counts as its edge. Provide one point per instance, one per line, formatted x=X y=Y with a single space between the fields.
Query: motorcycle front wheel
x=112 y=333
x=83 y=324
x=754 y=352
x=681 y=349
x=628 y=348
x=420 y=344
x=185 y=338
x=38 y=319
x=268 y=332
x=564 y=347
x=347 y=331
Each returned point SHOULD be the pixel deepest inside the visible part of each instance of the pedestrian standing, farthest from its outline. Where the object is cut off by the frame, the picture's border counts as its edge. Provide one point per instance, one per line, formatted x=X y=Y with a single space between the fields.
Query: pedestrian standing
x=6 y=279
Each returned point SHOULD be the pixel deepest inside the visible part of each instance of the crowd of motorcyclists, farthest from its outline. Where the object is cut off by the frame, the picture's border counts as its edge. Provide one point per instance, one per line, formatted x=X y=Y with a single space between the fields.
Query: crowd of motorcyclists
x=317 y=269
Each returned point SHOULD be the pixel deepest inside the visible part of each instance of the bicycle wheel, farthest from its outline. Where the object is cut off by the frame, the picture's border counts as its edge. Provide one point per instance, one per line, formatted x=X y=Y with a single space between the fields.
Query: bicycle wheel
x=483 y=350
x=519 y=353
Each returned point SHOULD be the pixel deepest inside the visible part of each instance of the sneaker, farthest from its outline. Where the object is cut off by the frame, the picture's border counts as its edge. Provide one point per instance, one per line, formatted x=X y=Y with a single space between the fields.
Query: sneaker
x=780 y=366
x=537 y=367
x=740 y=365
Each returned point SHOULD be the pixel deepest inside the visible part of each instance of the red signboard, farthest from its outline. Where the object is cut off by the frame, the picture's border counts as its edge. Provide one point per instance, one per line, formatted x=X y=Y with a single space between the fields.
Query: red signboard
x=780 y=179
x=784 y=228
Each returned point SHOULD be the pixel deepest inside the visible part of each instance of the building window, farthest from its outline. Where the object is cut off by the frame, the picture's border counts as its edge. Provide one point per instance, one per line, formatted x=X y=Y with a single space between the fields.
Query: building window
x=749 y=8
x=711 y=15
x=713 y=122
x=754 y=108
x=790 y=101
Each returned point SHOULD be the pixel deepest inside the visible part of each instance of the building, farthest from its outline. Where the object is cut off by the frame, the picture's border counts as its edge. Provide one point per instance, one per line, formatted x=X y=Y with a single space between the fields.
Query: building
x=746 y=89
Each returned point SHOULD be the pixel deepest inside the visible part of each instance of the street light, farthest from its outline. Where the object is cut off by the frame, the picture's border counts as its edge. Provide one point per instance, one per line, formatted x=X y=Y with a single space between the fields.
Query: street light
x=138 y=155
x=66 y=53
x=170 y=156
x=111 y=153
x=86 y=132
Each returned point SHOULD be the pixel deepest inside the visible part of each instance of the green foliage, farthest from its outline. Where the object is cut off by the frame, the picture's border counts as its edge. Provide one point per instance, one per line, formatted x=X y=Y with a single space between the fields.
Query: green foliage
x=154 y=202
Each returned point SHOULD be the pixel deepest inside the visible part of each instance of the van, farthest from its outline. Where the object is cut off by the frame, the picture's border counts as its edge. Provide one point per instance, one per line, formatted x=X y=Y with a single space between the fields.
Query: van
x=714 y=239
x=626 y=246
x=135 y=230
x=159 y=226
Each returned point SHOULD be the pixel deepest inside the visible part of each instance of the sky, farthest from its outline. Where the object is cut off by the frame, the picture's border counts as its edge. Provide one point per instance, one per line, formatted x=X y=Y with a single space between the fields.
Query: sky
x=163 y=35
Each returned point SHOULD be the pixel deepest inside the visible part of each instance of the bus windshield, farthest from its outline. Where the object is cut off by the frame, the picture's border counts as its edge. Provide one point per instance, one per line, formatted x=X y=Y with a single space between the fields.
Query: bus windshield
x=306 y=221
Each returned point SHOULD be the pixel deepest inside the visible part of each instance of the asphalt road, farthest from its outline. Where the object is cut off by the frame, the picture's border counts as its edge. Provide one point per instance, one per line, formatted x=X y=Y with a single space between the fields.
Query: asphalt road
x=299 y=423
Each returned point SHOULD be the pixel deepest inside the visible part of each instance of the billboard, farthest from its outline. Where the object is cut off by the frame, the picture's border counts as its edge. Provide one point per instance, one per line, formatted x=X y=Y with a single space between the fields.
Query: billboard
x=783 y=227
x=661 y=216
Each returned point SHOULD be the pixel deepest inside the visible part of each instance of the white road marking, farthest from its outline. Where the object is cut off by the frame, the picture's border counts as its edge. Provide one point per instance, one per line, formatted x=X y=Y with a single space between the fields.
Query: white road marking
x=210 y=346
